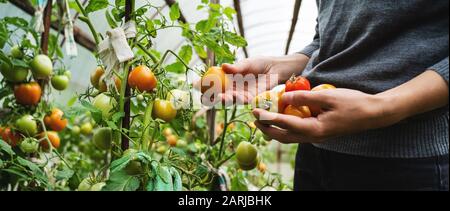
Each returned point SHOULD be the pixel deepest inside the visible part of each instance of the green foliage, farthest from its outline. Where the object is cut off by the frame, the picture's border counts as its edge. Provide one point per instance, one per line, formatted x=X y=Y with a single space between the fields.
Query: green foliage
x=95 y=5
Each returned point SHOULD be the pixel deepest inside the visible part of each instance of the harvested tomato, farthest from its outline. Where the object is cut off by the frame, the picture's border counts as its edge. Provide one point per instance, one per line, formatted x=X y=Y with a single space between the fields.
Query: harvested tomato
x=301 y=111
x=9 y=136
x=315 y=110
x=163 y=109
x=28 y=93
x=142 y=79
x=55 y=120
x=53 y=137
x=211 y=77
x=297 y=84
x=95 y=79
x=270 y=101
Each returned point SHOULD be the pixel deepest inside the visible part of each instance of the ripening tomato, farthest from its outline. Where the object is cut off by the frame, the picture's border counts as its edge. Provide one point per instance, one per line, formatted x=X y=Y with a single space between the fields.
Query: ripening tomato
x=55 y=120
x=163 y=109
x=262 y=167
x=28 y=93
x=95 y=79
x=142 y=79
x=86 y=128
x=247 y=155
x=297 y=84
x=118 y=83
x=167 y=132
x=41 y=66
x=270 y=101
x=301 y=111
x=105 y=104
x=211 y=77
x=172 y=140
x=53 y=137
x=27 y=125
x=9 y=136
x=315 y=111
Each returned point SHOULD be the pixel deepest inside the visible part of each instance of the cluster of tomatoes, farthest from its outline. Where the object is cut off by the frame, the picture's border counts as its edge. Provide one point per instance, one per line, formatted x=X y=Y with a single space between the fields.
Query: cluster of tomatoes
x=271 y=100
x=26 y=132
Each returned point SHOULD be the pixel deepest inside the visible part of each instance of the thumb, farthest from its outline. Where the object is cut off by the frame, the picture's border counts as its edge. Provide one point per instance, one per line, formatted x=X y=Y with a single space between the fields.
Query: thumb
x=240 y=67
x=307 y=98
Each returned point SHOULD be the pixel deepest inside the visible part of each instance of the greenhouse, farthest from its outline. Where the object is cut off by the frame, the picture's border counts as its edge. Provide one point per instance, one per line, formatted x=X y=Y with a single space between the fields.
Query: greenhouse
x=223 y=95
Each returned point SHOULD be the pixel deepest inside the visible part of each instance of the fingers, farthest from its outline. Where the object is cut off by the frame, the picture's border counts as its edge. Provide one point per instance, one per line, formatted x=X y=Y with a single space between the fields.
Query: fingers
x=240 y=67
x=307 y=98
x=307 y=126
x=280 y=135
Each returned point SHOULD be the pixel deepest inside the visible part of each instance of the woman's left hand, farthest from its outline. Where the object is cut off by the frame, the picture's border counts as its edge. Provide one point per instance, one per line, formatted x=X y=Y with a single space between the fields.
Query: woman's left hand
x=345 y=111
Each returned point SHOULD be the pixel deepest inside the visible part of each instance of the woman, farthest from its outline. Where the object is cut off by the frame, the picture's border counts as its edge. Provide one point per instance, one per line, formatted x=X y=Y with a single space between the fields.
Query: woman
x=386 y=128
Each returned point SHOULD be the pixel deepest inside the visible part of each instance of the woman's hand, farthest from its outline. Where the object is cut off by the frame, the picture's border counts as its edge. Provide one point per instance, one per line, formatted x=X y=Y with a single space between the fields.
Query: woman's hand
x=345 y=111
x=275 y=70
x=350 y=111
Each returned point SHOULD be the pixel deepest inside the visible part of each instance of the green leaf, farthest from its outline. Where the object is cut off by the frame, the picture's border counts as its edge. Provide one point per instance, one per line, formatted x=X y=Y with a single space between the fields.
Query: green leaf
x=5 y=59
x=64 y=174
x=120 y=163
x=201 y=25
x=112 y=23
x=6 y=148
x=17 y=172
x=201 y=51
x=119 y=3
x=72 y=101
x=175 y=12
x=151 y=28
x=121 y=181
x=4 y=34
x=186 y=53
x=19 y=22
x=214 y=7
x=176 y=67
x=235 y=39
x=20 y=63
x=229 y=12
x=238 y=183
x=95 y=112
x=95 y=5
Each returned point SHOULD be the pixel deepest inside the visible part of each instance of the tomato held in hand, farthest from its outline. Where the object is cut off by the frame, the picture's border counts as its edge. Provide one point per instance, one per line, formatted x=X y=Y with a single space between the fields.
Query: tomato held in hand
x=142 y=79
x=41 y=66
x=315 y=111
x=270 y=101
x=27 y=125
x=301 y=111
x=60 y=82
x=163 y=109
x=55 y=120
x=297 y=84
x=53 y=137
x=28 y=93
x=216 y=79
x=9 y=136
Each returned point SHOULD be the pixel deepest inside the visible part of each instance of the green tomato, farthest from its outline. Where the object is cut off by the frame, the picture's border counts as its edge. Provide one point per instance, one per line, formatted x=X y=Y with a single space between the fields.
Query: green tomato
x=75 y=130
x=16 y=74
x=102 y=138
x=60 y=82
x=85 y=185
x=246 y=153
x=105 y=104
x=86 y=128
x=182 y=143
x=98 y=187
x=27 y=125
x=68 y=74
x=248 y=167
x=41 y=66
x=179 y=98
x=16 y=52
x=29 y=145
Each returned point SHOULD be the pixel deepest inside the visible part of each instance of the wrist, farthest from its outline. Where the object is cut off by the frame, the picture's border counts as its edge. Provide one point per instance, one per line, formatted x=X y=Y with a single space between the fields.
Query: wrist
x=386 y=110
x=287 y=66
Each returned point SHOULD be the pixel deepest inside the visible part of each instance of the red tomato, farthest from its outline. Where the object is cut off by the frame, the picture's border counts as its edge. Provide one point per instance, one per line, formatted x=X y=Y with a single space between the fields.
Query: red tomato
x=142 y=79
x=9 y=136
x=28 y=93
x=297 y=84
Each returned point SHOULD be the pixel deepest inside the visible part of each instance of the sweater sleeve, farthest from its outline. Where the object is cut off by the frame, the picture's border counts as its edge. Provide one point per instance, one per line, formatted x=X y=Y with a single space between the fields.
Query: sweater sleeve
x=314 y=46
x=441 y=68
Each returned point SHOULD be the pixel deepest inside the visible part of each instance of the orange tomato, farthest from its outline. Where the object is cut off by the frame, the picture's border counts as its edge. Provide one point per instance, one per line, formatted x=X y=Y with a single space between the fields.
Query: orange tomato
x=53 y=137
x=315 y=111
x=118 y=83
x=172 y=140
x=142 y=79
x=262 y=167
x=212 y=76
x=55 y=121
x=28 y=93
x=9 y=136
x=95 y=79
x=270 y=101
x=302 y=111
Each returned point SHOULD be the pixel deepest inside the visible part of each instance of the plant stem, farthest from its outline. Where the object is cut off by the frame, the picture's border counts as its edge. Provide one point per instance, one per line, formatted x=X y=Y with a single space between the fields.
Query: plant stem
x=147 y=121
x=222 y=141
x=85 y=18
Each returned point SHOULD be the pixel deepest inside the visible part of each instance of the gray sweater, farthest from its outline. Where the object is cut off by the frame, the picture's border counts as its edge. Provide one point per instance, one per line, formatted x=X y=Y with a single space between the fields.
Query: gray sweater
x=373 y=46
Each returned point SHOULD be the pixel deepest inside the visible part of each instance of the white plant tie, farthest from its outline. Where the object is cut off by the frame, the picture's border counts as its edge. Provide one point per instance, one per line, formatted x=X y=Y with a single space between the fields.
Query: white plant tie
x=115 y=50
x=39 y=16
x=70 y=44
